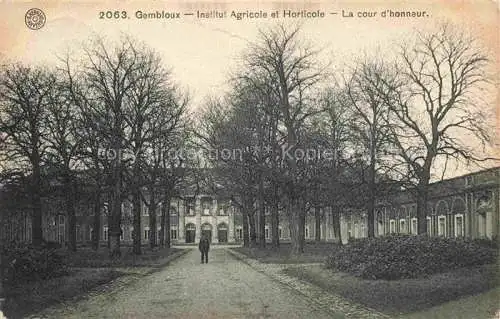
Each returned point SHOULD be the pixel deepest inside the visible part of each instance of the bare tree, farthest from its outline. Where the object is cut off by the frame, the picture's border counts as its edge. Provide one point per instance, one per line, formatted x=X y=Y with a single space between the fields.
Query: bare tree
x=24 y=100
x=64 y=145
x=334 y=135
x=90 y=132
x=369 y=126
x=225 y=126
x=109 y=74
x=150 y=108
x=436 y=110
x=292 y=68
x=164 y=170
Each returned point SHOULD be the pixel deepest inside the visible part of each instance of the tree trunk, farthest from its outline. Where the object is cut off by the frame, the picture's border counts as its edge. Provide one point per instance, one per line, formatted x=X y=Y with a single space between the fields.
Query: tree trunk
x=297 y=224
x=96 y=234
x=108 y=243
x=152 y=225
x=252 y=229
x=336 y=224
x=422 y=209
x=317 y=219
x=275 y=220
x=136 y=234
x=162 y=224
x=371 y=215
x=168 y=201
x=246 y=237
x=36 y=229
x=371 y=190
x=114 y=243
x=70 y=208
x=262 y=215
x=153 y=228
x=114 y=230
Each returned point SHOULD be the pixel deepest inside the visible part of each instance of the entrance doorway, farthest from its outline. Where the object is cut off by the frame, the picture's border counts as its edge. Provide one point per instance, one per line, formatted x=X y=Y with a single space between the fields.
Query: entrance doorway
x=206 y=230
x=222 y=233
x=190 y=233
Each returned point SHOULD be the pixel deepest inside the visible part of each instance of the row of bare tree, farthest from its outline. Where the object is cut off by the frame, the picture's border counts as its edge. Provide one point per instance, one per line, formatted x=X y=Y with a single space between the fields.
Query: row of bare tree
x=391 y=121
x=106 y=121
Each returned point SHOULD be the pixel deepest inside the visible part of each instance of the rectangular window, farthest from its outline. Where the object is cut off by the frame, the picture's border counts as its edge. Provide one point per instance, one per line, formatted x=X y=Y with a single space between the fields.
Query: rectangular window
x=402 y=226
x=380 y=228
x=442 y=226
x=468 y=181
x=459 y=225
x=206 y=207
x=280 y=233
x=239 y=233
x=105 y=233
x=190 y=207
x=267 y=233
x=158 y=209
x=414 y=226
x=429 y=226
x=146 y=233
x=173 y=234
x=392 y=226
x=78 y=233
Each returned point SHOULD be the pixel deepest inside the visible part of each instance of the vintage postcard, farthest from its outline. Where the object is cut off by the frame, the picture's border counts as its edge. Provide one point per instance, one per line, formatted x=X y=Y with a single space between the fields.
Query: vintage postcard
x=241 y=159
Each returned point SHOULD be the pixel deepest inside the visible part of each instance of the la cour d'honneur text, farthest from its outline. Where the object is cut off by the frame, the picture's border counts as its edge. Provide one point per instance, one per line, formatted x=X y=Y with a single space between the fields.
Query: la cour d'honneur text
x=238 y=15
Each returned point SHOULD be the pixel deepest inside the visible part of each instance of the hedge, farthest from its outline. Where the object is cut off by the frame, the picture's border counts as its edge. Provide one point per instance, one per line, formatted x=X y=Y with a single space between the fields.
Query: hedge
x=399 y=256
x=25 y=262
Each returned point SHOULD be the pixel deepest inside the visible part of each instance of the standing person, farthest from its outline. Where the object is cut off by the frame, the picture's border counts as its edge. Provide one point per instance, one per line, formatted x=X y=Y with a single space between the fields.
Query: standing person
x=204 y=247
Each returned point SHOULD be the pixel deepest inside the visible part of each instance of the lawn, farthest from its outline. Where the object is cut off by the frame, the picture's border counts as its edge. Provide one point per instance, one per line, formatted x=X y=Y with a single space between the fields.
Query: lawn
x=89 y=270
x=398 y=297
x=484 y=305
x=313 y=253
x=24 y=299
x=86 y=257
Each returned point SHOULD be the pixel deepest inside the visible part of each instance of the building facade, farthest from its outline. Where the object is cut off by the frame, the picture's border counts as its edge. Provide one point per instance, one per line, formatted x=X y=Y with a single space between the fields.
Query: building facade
x=463 y=206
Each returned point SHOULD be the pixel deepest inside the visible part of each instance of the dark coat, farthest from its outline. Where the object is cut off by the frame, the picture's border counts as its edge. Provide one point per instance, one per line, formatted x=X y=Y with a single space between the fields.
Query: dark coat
x=204 y=245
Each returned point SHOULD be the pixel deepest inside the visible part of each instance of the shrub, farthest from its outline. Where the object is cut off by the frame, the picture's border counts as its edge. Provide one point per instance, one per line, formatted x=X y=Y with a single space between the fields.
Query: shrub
x=24 y=262
x=397 y=256
x=492 y=243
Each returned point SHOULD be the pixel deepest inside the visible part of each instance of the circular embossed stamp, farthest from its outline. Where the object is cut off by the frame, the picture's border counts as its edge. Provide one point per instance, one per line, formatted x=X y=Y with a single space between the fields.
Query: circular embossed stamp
x=34 y=19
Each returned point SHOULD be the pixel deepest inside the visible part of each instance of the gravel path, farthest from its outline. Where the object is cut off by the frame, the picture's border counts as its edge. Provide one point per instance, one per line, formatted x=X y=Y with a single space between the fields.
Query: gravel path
x=224 y=288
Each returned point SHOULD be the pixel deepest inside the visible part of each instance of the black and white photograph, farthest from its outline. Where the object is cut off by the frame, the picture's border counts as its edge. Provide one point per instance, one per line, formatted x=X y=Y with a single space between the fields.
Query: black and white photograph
x=238 y=159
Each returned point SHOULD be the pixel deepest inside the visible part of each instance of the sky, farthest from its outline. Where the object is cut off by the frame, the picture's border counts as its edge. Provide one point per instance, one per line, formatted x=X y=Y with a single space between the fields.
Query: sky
x=202 y=52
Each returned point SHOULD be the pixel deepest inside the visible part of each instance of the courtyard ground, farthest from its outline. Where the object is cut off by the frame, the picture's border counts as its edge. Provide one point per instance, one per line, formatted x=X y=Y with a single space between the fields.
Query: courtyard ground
x=226 y=287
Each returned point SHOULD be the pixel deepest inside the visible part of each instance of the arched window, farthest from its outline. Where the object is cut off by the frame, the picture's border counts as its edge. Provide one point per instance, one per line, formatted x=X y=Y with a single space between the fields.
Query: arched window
x=459 y=210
